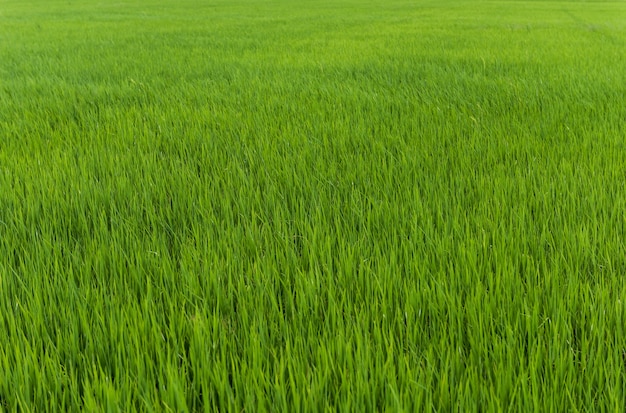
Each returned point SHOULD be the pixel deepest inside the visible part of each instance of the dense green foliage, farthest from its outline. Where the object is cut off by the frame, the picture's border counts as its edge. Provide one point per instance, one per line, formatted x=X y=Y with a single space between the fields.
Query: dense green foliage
x=316 y=205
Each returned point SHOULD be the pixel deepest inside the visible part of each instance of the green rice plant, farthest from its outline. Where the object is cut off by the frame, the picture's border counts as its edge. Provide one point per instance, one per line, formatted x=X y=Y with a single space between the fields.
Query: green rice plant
x=314 y=206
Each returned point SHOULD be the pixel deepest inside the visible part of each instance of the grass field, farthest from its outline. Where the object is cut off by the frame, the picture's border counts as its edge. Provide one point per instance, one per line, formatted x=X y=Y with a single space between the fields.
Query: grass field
x=259 y=205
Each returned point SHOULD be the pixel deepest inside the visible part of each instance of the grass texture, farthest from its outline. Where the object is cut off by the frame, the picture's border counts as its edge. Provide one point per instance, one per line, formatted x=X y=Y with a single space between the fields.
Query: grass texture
x=258 y=205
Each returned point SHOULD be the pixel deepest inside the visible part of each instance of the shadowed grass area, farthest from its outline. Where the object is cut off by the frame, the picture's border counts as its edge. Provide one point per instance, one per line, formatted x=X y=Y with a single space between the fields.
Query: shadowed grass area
x=328 y=205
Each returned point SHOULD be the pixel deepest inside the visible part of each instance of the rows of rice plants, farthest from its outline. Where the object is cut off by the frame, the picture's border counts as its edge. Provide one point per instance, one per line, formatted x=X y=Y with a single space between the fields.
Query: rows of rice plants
x=318 y=205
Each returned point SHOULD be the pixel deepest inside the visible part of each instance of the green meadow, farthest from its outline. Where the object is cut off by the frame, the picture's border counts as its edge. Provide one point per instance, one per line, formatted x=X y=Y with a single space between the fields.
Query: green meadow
x=316 y=205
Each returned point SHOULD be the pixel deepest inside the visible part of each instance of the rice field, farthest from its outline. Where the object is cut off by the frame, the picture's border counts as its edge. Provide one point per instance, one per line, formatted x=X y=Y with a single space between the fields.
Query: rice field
x=271 y=205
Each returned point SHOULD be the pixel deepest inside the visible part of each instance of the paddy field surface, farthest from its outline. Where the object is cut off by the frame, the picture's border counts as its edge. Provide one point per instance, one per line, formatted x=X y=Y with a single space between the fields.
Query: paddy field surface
x=313 y=205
